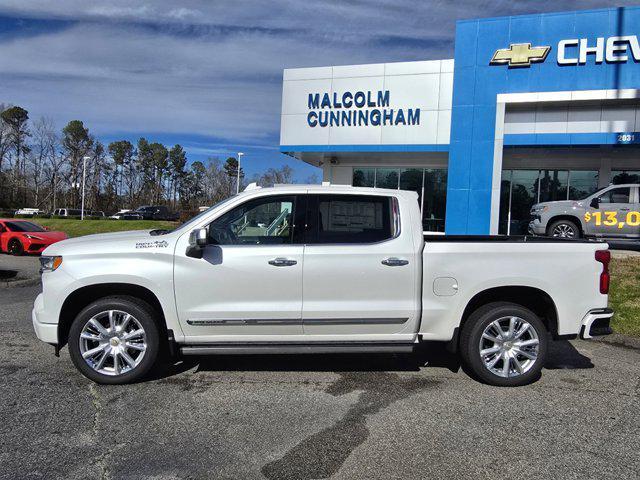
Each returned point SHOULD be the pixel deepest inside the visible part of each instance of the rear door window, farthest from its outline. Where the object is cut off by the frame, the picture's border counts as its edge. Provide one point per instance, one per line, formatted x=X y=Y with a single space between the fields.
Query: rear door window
x=349 y=219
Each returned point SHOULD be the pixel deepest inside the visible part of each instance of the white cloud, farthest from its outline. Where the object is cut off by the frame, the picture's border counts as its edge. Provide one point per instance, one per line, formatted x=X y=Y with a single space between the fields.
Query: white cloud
x=210 y=68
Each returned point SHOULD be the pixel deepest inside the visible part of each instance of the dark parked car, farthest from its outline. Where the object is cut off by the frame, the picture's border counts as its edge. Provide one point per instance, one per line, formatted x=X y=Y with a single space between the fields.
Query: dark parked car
x=156 y=212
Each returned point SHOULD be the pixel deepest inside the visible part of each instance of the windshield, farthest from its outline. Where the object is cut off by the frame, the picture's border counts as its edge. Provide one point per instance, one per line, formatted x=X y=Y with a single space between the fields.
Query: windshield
x=597 y=192
x=201 y=214
x=24 y=227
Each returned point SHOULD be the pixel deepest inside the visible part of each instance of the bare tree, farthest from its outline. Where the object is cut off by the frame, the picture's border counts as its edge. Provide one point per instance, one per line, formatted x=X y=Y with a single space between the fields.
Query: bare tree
x=5 y=144
x=218 y=186
x=312 y=179
x=43 y=148
x=275 y=176
x=53 y=166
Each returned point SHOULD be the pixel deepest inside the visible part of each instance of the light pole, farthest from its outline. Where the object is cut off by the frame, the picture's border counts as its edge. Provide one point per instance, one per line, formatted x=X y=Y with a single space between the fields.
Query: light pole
x=84 y=170
x=240 y=154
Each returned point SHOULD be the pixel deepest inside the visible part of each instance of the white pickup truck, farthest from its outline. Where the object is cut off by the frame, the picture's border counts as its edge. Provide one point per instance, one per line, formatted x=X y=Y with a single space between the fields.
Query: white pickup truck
x=317 y=269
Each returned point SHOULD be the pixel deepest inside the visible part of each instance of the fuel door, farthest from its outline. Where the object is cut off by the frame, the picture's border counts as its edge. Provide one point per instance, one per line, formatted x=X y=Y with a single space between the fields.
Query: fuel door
x=445 y=286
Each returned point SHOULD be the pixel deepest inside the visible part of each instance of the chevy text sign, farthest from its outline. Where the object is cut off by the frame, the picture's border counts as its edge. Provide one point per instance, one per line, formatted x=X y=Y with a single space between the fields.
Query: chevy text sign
x=576 y=51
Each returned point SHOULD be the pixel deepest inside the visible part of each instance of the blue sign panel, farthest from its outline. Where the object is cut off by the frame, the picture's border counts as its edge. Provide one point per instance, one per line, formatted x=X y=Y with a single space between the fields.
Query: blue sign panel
x=587 y=50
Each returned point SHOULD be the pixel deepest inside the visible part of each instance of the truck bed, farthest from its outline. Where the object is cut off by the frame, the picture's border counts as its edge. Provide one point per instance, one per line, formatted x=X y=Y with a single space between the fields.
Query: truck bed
x=456 y=268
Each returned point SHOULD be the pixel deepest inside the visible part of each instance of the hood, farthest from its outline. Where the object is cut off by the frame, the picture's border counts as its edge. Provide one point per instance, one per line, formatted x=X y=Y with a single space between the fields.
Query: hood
x=559 y=204
x=108 y=243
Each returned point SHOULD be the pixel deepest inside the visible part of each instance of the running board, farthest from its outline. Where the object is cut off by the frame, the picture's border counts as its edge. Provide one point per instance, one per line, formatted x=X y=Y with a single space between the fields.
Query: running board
x=295 y=348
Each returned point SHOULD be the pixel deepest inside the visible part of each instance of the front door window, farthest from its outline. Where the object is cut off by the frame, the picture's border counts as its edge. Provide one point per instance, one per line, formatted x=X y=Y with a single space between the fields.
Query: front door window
x=262 y=221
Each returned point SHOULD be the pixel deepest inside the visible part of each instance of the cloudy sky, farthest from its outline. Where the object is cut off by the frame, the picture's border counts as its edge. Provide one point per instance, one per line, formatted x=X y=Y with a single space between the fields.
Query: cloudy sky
x=207 y=74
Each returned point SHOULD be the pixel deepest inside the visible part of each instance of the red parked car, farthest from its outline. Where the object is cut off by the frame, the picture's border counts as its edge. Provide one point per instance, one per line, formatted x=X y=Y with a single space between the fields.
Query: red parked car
x=21 y=236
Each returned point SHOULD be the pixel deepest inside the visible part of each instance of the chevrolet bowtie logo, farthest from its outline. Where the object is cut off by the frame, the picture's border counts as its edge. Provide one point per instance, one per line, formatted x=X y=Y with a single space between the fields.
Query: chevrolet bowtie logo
x=519 y=55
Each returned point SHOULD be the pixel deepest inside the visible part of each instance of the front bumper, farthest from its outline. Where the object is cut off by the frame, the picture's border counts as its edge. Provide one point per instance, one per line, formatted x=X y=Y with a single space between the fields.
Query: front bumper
x=47 y=332
x=596 y=323
x=536 y=227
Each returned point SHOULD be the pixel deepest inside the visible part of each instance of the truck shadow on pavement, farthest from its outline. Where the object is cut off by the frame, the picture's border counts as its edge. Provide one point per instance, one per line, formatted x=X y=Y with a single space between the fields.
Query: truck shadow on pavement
x=563 y=355
x=7 y=274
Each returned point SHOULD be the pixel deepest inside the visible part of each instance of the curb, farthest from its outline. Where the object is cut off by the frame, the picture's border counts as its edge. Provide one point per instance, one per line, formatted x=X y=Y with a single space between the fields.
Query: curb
x=23 y=282
x=619 y=340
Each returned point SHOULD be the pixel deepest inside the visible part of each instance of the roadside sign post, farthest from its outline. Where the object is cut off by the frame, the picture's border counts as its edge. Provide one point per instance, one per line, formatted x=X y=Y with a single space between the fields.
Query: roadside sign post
x=84 y=170
x=240 y=154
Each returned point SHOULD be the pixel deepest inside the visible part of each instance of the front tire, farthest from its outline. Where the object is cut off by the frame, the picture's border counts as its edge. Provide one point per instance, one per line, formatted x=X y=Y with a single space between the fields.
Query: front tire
x=15 y=247
x=504 y=344
x=564 y=229
x=115 y=340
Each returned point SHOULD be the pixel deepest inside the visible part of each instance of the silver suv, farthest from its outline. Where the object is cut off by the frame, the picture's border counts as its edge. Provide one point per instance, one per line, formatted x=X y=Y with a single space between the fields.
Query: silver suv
x=613 y=211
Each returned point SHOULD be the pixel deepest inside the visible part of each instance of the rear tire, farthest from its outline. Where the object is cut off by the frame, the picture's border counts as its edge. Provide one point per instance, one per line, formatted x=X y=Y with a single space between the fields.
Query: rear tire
x=115 y=340
x=15 y=247
x=564 y=229
x=504 y=344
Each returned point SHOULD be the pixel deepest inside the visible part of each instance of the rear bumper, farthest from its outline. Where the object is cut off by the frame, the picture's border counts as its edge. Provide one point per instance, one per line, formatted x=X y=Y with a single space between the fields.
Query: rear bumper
x=596 y=323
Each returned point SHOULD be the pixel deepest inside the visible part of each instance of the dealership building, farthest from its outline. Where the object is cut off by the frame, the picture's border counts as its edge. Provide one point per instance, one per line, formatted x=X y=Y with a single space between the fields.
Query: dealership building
x=531 y=108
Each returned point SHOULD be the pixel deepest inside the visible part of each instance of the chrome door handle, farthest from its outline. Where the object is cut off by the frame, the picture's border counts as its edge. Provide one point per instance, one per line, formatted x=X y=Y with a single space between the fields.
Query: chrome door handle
x=394 y=262
x=282 y=262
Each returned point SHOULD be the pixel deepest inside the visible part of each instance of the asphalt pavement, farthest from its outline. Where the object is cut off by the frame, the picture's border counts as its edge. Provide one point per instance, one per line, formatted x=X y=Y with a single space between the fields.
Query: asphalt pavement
x=307 y=417
x=22 y=270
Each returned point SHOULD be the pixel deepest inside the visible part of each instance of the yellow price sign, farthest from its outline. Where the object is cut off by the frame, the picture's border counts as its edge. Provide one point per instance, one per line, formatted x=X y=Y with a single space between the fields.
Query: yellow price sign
x=610 y=219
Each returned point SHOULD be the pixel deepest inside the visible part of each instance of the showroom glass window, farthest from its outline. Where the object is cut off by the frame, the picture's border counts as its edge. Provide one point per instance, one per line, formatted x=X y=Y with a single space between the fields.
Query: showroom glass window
x=429 y=183
x=267 y=220
x=521 y=189
x=619 y=177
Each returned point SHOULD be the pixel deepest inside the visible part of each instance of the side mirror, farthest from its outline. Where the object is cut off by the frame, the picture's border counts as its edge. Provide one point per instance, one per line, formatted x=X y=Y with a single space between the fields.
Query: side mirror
x=595 y=202
x=198 y=239
x=200 y=236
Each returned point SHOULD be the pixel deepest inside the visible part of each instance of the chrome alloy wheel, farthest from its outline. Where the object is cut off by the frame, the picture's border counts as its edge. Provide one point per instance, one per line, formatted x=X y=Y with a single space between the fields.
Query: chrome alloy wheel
x=113 y=342
x=563 y=230
x=509 y=347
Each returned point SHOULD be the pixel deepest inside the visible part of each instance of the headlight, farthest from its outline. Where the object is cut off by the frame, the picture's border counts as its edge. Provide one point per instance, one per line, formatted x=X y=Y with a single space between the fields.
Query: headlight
x=49 y=264
x=32 y=237
x=539 y=209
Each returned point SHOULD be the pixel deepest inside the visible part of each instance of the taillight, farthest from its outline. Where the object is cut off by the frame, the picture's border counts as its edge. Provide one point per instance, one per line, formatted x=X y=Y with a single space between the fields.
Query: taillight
x=604 y=257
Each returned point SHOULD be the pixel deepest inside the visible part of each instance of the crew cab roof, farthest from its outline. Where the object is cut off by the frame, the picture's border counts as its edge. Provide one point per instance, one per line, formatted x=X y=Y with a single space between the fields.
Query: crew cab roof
x=339 y=189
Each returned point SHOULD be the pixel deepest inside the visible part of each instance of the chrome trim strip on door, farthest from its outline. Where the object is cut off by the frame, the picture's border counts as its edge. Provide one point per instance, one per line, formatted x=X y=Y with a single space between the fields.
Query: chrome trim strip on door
x=354 y=321
x=206 y=322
